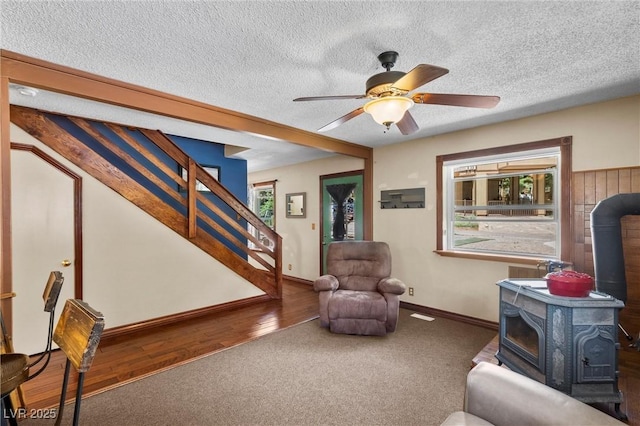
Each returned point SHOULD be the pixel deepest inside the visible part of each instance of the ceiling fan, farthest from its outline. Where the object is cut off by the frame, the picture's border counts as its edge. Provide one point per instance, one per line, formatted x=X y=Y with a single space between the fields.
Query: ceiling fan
x=389 y=102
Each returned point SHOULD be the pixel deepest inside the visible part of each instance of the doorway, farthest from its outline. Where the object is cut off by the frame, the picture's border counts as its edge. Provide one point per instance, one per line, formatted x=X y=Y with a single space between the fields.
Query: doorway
x=342 y=217
x=46 y=236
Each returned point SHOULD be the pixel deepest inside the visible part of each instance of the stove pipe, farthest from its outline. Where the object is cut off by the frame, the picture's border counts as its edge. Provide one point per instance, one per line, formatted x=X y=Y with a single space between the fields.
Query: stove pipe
x=606 y=234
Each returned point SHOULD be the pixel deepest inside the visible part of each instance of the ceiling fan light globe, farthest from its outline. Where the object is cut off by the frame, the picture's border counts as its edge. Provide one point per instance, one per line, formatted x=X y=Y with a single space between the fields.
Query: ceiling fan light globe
x=389 y=109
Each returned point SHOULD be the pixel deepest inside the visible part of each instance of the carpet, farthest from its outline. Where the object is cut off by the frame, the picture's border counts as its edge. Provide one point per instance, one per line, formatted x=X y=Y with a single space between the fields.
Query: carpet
x=305 y=375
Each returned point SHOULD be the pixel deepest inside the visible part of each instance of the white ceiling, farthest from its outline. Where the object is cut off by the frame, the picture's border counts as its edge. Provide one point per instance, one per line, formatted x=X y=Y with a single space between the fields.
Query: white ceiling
x=257 y=56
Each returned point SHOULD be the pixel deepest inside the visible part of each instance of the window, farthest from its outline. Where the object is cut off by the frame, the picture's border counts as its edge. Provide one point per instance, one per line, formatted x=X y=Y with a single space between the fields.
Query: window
x=507 y=202
x=262 y=201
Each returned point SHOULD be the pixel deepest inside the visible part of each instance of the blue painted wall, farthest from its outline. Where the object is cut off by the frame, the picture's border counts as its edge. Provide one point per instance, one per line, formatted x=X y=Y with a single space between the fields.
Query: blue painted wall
x=233 y=172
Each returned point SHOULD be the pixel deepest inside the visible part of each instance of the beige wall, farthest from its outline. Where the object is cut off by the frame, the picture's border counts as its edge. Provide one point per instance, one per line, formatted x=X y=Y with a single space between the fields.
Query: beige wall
x=605 y=135
x=301 y=236
x=135 y=268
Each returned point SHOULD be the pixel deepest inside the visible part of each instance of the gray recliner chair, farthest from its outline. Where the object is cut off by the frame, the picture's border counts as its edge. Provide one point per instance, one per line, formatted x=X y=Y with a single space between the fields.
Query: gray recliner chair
x=358 y=296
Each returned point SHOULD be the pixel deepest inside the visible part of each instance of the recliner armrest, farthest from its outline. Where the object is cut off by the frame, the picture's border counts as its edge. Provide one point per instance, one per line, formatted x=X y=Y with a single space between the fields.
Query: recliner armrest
x=391 y=285
x=326 y=283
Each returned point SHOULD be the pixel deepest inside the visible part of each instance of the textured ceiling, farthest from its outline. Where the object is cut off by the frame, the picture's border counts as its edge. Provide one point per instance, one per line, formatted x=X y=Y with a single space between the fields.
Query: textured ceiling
x=256 y=57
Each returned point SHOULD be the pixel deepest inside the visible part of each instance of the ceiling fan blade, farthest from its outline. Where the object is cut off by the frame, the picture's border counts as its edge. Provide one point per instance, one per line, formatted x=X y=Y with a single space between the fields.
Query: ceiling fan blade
x=418 y=76
x=324 y=98
x=473 y=101
x=407 y=125
x=341 y=120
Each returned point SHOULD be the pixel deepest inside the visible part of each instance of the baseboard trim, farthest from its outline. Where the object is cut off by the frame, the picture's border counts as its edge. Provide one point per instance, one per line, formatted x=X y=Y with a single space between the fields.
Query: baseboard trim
x=450 y=315
x=297 y=280
x=115 y=332
x=112 y=333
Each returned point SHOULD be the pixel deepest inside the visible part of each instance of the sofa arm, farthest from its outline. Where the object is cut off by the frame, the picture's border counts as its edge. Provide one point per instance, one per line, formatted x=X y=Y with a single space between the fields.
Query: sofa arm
x=391 y=285
x=460 y=418
x=326 y=283
x=502 y=397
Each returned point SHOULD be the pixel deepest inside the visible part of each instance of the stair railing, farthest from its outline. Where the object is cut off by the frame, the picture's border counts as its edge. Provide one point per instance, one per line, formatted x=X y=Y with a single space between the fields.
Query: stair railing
x=214 y=219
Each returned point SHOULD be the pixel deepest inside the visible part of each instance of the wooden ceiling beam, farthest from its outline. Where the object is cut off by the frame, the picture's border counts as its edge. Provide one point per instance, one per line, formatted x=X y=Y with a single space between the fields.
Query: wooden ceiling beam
x=32 y=72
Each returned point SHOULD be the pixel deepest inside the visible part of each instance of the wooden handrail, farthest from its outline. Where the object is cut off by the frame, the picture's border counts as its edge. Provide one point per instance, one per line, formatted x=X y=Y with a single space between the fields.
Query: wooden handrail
x=233 y=202
x=7 y=295
x=167 y=145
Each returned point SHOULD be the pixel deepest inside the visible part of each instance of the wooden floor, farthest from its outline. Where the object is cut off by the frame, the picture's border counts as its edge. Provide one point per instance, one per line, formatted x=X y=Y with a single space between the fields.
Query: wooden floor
x=123 y=359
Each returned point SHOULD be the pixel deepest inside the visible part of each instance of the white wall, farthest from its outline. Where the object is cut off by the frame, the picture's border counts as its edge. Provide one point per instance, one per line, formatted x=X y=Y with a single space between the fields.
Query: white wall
x=135 y=268
x=605 y=135
x=301 y=236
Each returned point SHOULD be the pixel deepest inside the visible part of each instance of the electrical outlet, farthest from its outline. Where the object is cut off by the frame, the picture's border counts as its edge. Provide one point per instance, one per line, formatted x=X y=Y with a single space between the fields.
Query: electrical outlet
x=410 y=291
x=290 y=266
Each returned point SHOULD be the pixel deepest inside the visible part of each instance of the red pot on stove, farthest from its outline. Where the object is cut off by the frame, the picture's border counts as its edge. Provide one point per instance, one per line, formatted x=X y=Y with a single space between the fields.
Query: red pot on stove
x=569 y=283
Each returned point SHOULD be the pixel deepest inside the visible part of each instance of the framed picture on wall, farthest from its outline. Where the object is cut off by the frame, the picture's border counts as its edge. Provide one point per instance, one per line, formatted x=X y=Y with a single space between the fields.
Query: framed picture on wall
x=214 y=171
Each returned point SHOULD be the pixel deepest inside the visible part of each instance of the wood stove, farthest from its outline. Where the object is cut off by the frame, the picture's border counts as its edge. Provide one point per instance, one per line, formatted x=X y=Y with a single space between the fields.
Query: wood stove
x=567 y=343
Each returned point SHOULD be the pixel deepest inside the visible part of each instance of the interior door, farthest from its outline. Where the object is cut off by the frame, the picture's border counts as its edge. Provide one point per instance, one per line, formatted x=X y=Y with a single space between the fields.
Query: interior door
x=342 y=210
x=42 y=215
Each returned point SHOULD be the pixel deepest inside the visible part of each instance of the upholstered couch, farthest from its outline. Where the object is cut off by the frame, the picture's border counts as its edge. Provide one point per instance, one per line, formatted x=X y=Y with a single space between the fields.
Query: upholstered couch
x=501 y=397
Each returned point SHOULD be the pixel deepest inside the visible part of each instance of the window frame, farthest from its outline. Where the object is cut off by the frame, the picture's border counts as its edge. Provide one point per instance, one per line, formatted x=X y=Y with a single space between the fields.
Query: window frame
x=256 y=186
x=564 y=201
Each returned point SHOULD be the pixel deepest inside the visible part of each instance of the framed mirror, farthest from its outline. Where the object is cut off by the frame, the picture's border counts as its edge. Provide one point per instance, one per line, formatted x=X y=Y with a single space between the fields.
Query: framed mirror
x=296 y=205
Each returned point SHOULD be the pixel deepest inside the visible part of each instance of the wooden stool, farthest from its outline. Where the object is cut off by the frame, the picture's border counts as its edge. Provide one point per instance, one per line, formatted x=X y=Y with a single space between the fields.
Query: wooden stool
x=15 y=371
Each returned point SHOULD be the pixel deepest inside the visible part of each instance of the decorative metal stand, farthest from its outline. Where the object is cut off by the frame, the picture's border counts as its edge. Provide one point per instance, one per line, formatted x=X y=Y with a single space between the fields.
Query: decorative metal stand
x=78 y=333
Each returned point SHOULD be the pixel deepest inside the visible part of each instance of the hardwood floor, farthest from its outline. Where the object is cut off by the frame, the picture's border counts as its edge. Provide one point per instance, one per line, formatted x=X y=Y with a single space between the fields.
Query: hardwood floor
x=120 y=360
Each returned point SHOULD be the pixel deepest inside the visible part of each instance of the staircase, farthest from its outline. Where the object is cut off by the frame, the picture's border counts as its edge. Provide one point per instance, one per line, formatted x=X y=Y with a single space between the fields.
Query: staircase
x=151 y=171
